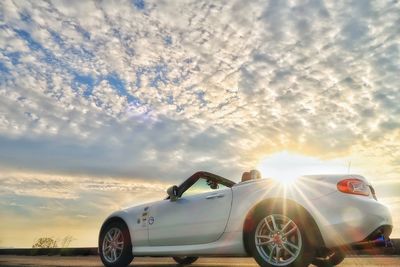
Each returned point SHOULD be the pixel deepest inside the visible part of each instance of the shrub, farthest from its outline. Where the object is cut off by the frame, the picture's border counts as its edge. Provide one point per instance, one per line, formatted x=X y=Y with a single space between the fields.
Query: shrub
x=45 y=242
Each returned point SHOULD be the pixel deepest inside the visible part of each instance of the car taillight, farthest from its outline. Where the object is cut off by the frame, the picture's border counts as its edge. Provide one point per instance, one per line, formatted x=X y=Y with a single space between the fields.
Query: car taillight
x=353 y=186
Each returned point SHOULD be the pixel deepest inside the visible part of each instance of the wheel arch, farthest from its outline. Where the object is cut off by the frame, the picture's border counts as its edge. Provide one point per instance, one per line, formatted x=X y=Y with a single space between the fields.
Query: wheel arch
x=284 y=204
x=112 y=219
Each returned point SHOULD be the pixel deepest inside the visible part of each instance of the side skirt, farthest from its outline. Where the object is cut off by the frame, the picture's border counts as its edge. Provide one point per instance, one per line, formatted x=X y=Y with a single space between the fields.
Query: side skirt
x=230 y=244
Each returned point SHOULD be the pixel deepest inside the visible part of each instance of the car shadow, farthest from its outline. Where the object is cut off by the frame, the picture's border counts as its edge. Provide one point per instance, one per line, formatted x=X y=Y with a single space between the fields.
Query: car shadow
x=209 y=262
x=175 y=265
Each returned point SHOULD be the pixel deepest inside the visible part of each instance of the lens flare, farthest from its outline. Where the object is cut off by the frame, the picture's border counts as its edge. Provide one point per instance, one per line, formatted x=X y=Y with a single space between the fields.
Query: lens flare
x=286 y=167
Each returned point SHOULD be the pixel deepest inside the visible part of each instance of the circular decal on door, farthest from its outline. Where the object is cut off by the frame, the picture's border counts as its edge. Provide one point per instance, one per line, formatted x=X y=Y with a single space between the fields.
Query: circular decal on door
x=151 y=220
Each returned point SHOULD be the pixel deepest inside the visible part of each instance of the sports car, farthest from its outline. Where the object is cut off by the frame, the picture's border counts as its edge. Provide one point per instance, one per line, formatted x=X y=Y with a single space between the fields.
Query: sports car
x=314 y=219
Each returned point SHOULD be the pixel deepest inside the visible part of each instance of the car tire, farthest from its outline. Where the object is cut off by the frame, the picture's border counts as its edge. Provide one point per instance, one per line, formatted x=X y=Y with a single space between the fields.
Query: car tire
x=335 y=258
x=279 y=238
x=185 y=260
x=115 y=246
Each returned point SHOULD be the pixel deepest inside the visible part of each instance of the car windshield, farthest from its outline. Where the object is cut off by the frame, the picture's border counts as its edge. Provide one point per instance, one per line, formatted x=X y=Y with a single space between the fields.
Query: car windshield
x=202 y=185
x=188 y=183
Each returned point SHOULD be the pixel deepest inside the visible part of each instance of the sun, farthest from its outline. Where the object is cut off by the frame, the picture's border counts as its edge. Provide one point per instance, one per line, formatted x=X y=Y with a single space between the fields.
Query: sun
x=286 y=167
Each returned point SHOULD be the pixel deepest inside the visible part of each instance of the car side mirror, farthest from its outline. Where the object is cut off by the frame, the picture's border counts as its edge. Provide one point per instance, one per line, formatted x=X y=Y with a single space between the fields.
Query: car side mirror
x=173 y=193
x=212 y=184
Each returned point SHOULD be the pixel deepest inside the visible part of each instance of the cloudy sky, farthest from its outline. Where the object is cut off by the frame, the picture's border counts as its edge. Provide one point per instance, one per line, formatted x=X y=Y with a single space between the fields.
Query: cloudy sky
x=104 y=104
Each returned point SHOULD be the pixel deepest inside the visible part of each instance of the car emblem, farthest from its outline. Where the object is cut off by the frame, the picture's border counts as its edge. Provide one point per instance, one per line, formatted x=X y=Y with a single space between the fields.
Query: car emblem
x=151 y=220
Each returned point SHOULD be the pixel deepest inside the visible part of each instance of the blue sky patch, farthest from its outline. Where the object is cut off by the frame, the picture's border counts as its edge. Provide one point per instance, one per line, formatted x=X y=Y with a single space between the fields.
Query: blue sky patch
x=200 y=96
x=139 y=4
x=157 y=74
x=170 y=99
x=160 y=75
x=36 y=46
x=82 y=31
x=176 y=81
x=25 y=17
x=57 y=38
x=33 y=45
x=119 y=85
x=139 y=73
x=168 y=40
x=3 y=68
x=85 y=80
x=14 y=57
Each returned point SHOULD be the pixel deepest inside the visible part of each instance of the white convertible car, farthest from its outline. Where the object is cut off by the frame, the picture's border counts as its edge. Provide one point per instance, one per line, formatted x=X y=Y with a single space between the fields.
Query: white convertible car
x=311 y=220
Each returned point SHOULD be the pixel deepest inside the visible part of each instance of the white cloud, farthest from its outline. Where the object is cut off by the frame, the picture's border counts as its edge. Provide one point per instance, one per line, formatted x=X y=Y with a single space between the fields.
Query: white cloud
x=297 y=75
x=66 y=187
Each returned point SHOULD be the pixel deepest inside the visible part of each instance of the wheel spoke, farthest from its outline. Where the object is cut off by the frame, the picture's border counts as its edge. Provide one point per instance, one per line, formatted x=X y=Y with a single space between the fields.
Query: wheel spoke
x=291 y=245
x=108 y=236
x=278 y=254
x=117 y=235
x=273 y=222
x=272 y=252
x=264 y=243
x=286 y=225
x=287 y=250
x=114 y=251
x=290 y=231
x=267 y=224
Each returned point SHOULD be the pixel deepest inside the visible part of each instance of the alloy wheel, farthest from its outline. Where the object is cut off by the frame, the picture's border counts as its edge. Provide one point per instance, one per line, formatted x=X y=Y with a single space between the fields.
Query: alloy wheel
x=113 y=245
x=278 y=240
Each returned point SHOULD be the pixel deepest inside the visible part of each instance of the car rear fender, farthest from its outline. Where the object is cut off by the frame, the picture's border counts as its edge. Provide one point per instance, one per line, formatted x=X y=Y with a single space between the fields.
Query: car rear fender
x=312 y=229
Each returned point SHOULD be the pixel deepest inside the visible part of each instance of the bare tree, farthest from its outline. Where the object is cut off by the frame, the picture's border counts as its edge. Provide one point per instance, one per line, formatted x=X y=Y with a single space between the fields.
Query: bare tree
x=64 y=242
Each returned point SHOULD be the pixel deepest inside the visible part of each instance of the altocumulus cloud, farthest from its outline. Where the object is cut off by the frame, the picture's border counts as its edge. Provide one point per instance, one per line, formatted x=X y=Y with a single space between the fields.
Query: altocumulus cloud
x=153 y=90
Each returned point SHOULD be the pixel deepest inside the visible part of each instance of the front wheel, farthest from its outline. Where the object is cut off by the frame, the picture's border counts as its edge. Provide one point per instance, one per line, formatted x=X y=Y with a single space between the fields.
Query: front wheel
x=185 y=260
x=115 y=247
x=278 y=239
x=332 y=259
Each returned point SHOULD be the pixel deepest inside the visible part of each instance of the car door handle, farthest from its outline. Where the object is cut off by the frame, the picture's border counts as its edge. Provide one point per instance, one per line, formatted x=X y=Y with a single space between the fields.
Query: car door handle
x=215 y=196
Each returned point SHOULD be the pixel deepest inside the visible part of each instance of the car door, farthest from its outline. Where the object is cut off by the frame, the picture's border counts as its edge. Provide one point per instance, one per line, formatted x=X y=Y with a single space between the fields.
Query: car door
x=197 y=217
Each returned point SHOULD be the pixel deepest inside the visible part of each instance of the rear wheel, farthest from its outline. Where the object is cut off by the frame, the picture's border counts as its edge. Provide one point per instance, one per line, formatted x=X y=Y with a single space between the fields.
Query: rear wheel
x=185 y=260
x=115 y=247
x=279 y=239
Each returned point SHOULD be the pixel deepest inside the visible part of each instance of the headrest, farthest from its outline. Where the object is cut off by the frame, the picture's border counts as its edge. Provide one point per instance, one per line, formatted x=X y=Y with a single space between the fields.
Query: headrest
x=246 y=176
x=255 y=174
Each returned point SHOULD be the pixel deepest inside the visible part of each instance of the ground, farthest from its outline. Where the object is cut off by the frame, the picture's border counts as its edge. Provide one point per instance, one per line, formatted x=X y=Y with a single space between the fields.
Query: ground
x=91 y=261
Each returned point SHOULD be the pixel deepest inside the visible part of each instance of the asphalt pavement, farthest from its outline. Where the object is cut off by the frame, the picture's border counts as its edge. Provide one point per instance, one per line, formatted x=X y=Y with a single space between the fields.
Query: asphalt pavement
x=94 y=261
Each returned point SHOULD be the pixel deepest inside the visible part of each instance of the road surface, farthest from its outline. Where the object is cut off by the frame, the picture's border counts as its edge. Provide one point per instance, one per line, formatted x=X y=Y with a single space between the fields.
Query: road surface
x=93 y=261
